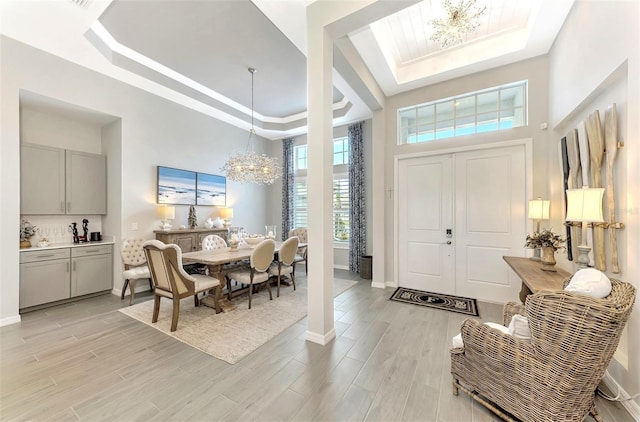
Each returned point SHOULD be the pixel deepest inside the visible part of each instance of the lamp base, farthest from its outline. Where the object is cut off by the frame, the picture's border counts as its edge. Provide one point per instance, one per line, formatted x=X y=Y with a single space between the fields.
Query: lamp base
x=164 y=225
x=583 y=257
x=536 y=255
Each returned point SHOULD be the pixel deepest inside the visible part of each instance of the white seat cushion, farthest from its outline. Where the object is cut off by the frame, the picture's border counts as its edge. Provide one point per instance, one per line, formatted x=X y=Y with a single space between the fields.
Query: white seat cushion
x=137 y=273
x=457 y=340
x=204 y=282
x=519 y=327
x=590 y=282
x=244 y=276
x=286 y=269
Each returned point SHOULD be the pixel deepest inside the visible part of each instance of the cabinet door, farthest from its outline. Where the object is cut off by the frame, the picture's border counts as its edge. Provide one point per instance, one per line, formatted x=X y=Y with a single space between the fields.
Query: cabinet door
x=42 y=175
x=44 y=281
x=86 y=183
x=91 y=274
x=186 y=242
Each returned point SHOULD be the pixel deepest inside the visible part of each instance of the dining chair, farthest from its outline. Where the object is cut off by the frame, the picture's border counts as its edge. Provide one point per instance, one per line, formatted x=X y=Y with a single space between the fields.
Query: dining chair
x=135 y=266
x=172 y=281
x=256 y=273
x=285 y=263
x=301 y=255
x=213 y=242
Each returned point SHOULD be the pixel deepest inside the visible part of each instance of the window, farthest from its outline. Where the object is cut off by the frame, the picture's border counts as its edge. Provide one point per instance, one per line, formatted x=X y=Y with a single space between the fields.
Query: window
x=341 y=227
x=494 y=109
x=300 y=158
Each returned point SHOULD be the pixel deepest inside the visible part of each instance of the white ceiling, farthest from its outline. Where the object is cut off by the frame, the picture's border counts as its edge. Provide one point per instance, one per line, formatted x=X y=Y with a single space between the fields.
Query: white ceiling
x=197 y=52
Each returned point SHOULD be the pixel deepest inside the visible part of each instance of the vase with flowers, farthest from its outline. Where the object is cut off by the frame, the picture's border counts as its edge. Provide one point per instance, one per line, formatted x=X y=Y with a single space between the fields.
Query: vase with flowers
x=26 y=231
x=549 y=242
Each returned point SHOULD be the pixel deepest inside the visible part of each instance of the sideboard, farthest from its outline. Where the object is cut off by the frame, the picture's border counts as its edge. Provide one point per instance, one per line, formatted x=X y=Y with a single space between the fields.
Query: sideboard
x=188 y=240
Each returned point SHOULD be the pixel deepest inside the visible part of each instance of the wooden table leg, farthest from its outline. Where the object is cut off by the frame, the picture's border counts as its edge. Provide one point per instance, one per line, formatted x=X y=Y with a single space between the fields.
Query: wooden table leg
x=524 y=292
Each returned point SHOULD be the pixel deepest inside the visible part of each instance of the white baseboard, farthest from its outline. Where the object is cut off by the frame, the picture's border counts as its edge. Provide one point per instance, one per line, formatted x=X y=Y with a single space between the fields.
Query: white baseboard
x=10 y=320
x=378 y=285
x=321 y=339
x=632 y=407
x=341 y=267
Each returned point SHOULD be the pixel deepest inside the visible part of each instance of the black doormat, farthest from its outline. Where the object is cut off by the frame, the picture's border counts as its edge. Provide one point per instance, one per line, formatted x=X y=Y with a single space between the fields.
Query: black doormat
x=458 y=304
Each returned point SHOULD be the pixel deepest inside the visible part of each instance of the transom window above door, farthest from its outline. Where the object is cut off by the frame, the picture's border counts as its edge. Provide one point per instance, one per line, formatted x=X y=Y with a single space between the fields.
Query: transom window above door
x=498 y=108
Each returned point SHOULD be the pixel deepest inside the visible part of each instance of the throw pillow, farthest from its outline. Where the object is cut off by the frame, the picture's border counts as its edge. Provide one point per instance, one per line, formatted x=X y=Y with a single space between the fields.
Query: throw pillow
x=457 y=340
x=590 y=282
x=519 y=327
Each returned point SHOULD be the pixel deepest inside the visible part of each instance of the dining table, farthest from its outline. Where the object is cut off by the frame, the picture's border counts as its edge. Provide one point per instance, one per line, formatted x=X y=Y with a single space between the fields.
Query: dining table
x=219 y=261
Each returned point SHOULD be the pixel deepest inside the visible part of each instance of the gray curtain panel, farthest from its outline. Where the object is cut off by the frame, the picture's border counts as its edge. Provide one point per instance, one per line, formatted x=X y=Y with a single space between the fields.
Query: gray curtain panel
x=357 y=238
x=287 y=187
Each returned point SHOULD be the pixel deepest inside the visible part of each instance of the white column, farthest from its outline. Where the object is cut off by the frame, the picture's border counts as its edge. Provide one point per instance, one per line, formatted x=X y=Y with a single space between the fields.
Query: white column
x=320 y=182
x=378 y=197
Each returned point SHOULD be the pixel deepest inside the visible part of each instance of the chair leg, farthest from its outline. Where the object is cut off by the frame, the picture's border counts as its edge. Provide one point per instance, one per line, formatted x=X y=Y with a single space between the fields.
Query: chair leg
x=132 y=290
x=269 y=288
x=278 y=294
x=250 y=291
x=196 y=302
x=150 y=285
x=176 y=312
x=156 y=308
x=124 y=289
x=596 y=415
x=306 y=266
x=455 y=387
x=293 y=280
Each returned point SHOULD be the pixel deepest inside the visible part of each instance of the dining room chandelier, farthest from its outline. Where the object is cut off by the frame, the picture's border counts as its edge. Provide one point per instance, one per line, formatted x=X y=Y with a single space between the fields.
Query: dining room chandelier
x=249 y=167
x=462 y=18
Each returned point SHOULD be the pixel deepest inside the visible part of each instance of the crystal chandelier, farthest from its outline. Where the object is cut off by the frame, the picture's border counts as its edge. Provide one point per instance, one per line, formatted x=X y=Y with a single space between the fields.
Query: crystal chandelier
x=461 y=19
x=249 y=167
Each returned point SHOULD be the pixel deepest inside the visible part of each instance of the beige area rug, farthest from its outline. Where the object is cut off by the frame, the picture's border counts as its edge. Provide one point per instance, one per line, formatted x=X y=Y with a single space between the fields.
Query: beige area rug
x=230 y=336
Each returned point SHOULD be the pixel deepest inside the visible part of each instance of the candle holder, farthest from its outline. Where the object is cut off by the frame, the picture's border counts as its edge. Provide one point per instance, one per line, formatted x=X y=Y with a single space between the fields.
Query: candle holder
x=234 y=238
x=270 y=232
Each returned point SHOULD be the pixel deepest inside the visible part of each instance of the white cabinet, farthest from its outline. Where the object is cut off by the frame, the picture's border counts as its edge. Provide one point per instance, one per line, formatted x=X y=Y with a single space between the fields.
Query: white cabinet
x=42 y=180
x=58 y=181
x=86 y=183
x=92 y=269
x=50 y=275
x=44 y=277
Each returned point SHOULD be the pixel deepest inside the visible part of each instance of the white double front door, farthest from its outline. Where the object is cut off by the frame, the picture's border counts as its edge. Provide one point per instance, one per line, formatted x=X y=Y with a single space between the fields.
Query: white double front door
x=458 y=215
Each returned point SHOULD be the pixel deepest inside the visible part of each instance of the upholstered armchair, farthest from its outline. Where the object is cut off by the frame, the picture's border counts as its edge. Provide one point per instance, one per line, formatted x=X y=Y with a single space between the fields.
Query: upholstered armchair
x=301 y=255
x=554 y=376
x=172 y=281
x=256 y=272
x=286 y=259
x=135 y=266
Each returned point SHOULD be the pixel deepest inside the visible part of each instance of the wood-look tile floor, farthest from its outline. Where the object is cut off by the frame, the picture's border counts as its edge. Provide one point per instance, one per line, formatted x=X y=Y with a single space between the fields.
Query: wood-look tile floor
x=390 y=362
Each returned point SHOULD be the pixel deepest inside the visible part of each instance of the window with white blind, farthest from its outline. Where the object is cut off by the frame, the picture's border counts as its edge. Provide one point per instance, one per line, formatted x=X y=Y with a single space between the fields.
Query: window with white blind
x=341 y=226
x=498 y=108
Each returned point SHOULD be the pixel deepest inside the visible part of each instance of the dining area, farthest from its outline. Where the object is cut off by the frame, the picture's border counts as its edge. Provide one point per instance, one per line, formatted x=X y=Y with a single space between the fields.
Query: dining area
x=224 y=269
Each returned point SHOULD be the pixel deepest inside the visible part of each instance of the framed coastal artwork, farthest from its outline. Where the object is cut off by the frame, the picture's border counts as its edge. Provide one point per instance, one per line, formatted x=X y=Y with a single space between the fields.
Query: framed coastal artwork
x=176 y=187
x=211 y=190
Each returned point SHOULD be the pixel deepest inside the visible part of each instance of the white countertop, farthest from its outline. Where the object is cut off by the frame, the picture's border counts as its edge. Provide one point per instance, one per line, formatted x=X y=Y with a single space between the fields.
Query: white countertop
x=106 y=240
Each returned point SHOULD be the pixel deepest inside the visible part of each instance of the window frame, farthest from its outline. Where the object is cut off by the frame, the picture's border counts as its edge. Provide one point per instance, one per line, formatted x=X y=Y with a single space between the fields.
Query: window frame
x=442 y=117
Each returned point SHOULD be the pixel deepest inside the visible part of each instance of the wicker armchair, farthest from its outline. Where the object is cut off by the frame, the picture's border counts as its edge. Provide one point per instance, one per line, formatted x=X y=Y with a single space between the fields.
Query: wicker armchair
x=553 y=377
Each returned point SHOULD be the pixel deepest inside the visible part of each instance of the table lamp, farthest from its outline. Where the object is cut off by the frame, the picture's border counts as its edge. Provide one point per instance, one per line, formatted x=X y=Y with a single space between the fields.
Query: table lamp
x=585 y=206
x=227 y=215
x=166 y=213
x=538 y=210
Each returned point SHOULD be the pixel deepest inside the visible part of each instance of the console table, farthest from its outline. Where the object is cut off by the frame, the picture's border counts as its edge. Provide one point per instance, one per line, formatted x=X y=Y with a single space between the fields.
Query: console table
x=533 y=277
x=189 y=240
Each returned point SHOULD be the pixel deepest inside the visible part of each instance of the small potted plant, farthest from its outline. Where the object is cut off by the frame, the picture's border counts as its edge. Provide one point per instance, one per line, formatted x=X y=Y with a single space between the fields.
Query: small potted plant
x=549 y=242
x=26 y=231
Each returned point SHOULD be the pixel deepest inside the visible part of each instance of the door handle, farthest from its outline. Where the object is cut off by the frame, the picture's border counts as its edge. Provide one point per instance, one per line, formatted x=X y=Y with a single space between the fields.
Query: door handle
x=448 y=242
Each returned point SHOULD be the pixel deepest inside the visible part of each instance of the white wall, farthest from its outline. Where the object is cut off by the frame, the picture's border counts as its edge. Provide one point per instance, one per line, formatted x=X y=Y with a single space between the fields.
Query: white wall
x=534 y=70
x=154 y=132
x=588 y=70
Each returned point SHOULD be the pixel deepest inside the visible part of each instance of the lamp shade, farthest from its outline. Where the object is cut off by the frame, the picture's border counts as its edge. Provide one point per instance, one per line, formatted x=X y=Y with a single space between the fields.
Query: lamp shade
x=539 y=209
x=167 y=213
x=226 y=212
x=585 y=204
